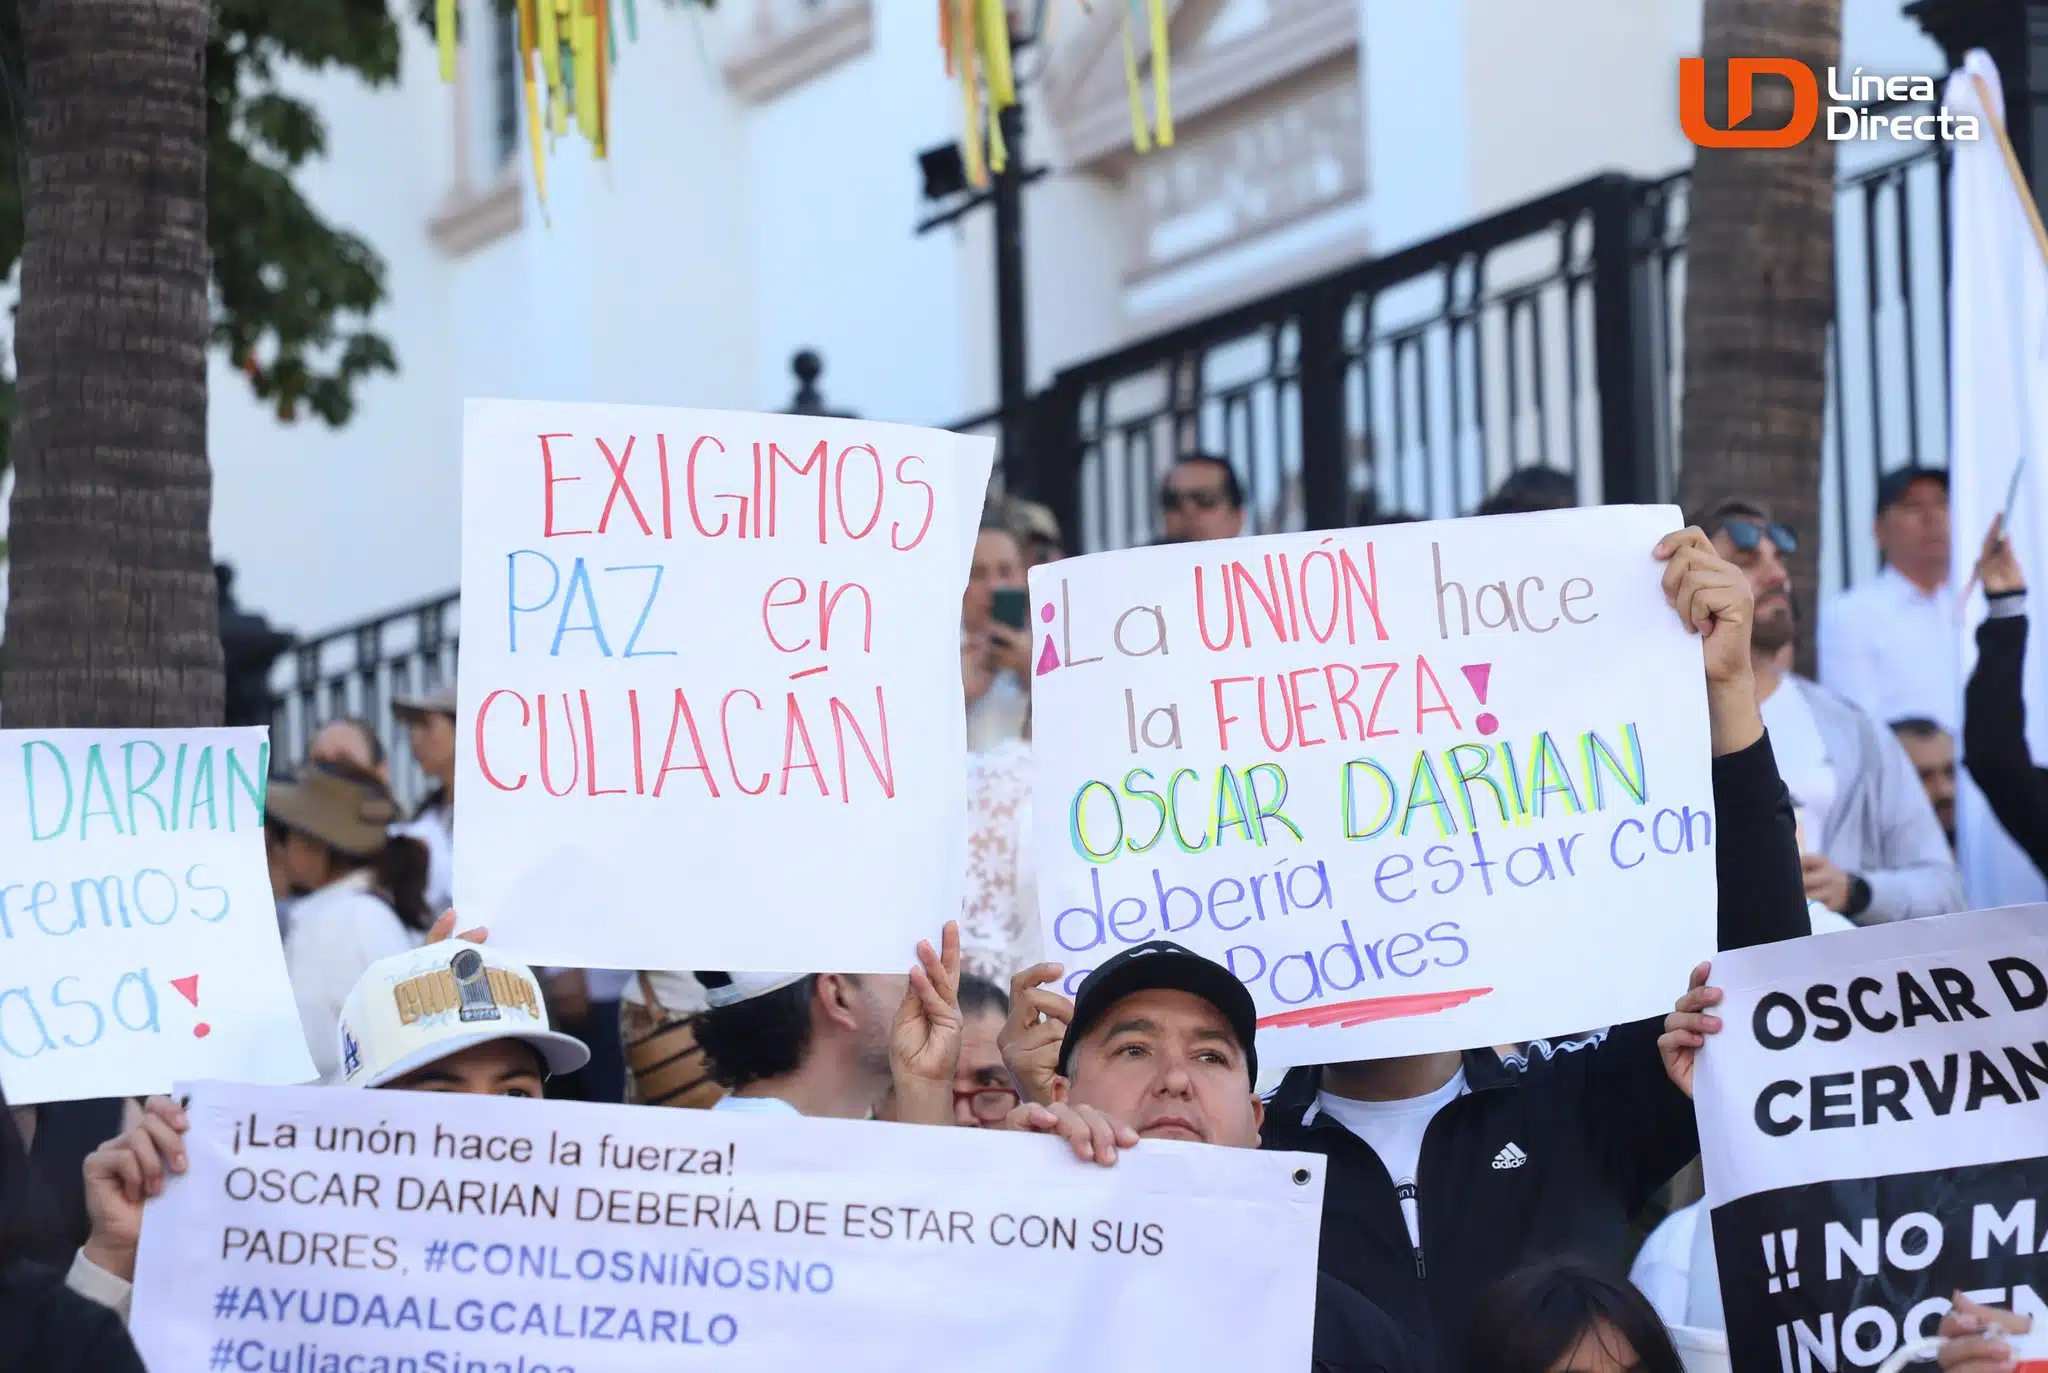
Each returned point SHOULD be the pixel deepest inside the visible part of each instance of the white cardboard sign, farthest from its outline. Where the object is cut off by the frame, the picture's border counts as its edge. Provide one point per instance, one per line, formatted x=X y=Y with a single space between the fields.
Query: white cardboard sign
x=1874 y=1128
x=1404 y=781
x=545 y=1236
x=138 y=935
x=711 y=708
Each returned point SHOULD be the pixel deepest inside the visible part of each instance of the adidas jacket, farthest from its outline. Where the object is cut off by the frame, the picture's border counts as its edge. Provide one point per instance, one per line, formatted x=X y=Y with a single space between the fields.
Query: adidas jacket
x=1552 y=1155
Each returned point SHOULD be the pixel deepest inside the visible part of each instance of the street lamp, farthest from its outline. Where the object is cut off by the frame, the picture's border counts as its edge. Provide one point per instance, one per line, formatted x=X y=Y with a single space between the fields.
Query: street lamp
x=947 y=188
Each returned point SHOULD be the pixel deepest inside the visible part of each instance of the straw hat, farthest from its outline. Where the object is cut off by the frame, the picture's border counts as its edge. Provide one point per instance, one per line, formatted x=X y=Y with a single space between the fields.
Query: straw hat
x=349 y=813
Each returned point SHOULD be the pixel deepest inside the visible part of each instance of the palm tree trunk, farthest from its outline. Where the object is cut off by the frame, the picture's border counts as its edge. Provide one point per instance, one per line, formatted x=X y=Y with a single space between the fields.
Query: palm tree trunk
x=1760 y=284
x=111 y=616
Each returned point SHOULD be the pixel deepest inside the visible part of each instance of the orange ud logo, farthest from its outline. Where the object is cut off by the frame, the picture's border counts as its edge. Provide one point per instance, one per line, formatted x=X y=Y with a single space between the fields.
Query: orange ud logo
x=1742 y=71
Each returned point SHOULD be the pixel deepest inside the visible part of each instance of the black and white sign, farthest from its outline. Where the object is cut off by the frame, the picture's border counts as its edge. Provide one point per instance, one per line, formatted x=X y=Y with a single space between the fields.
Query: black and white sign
x=1874 y=1119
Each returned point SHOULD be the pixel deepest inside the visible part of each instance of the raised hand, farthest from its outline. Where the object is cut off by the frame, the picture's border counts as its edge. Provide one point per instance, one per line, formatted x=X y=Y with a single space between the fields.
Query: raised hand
x=1713 y=600
x=1997 y=567
x=924 y=1043
x=125 y=1172
x=444 y=929
x=1687 y=1027
x=1030 y=1038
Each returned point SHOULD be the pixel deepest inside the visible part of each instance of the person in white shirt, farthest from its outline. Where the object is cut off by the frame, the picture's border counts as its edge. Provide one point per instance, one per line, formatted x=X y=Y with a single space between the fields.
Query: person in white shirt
x=429 y=720
x=854 y=1046
x=1892 y=644
x=365 y=891
x=491 y=1038
x=1872 y=847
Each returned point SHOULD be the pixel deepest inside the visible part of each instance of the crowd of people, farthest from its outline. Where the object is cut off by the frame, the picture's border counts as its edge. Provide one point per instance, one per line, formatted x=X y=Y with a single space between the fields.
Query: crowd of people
x=1835 y=801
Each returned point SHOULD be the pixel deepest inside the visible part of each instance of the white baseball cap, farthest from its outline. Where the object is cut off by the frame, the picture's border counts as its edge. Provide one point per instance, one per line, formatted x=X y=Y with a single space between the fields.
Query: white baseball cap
x=416 y=1008
x=730 y=989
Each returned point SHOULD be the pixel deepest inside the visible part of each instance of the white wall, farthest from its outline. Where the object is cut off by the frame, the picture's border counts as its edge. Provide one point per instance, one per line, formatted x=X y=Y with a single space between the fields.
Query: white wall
x=323 y=525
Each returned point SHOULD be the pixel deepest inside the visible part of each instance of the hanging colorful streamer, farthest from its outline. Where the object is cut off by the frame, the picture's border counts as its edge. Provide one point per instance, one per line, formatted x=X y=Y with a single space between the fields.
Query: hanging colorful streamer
x=567 y=49
x=975 y=36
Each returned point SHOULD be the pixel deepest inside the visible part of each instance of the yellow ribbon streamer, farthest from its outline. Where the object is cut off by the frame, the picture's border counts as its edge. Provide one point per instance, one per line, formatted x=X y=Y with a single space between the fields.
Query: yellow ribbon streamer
x=1162 y=101
x=444 y=36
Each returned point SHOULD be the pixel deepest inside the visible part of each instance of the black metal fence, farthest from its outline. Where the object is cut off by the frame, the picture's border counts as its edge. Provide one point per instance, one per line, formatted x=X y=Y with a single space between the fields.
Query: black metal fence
x=1548 y=334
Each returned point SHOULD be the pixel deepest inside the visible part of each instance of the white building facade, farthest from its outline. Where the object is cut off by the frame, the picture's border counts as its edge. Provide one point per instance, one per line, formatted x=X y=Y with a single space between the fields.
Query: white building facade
x=762 y=196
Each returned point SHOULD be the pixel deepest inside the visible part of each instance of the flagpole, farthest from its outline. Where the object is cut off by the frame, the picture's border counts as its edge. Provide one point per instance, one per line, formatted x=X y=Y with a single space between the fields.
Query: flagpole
x=2012 y=166
x=2026 y=196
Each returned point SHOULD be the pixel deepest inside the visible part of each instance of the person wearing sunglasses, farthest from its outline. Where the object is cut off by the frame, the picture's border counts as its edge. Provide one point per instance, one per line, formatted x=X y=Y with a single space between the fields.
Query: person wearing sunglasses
x=1201 y=499
x=1874 y=850
x=1890 y=643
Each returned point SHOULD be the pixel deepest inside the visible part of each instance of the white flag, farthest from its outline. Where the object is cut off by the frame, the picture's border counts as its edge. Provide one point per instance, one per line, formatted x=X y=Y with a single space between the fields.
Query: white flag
x=1998 y=370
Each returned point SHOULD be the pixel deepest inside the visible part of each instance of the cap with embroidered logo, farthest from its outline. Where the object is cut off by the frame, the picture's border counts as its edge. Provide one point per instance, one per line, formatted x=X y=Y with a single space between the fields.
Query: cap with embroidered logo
x=431 y=1003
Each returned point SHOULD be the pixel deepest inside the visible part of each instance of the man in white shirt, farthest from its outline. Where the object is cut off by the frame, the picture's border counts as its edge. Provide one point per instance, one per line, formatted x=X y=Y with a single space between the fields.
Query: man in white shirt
x=849 y=1045
x=1873 y=849
x=1892 y=644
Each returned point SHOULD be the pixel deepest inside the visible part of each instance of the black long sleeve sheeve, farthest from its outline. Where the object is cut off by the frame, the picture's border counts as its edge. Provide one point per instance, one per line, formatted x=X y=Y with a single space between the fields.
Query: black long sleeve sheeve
x=1601 y=1126
x=1995 y=736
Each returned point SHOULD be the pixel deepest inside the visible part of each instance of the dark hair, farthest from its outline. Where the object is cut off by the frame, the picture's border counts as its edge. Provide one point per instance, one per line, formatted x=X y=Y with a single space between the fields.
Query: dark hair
x=399 y=868
x=1708 y=519
x=1532 y=1318
x=1532 y=488
x=979 y=996
x=29 y=1225
x=757 y=1039
x=1912 y=726
x=1233 y=491
x=434 y=800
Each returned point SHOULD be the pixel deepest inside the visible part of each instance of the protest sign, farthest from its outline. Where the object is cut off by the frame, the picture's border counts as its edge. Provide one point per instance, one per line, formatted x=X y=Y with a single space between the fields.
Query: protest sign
x=139 y=933
x=1875 y=1134
x=711 y=707
x=1402 y=780
x=386 y=1229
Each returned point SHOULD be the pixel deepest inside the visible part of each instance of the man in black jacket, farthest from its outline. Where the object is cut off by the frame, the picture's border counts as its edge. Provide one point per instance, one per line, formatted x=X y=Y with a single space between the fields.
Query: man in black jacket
x=1995 y=710
x=1447 y=1171
x=1160 y=1045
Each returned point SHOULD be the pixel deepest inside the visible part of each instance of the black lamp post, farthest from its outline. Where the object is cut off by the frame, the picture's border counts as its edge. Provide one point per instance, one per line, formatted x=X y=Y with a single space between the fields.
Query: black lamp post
x=809 y=400
x=945 y=185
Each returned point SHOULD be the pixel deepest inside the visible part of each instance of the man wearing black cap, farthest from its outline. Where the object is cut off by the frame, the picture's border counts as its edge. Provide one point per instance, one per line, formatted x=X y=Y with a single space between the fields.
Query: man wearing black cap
x=1160 y=1046
x=1889 y=644
x=1510 y=1159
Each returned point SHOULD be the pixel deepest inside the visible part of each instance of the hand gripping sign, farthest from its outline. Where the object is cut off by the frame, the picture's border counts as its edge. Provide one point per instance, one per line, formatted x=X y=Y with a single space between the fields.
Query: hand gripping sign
x=399 y=1232
x=1874 y=1120
x=1421 y=787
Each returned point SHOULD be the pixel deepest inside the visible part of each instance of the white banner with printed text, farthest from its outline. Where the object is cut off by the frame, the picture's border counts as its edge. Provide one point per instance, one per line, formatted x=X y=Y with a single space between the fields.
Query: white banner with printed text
x=1874 y=1126
x=394 y=1232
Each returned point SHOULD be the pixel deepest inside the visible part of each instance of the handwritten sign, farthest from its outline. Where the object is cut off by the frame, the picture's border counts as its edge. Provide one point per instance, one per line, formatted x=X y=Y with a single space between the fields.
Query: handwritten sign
x=395 y=1226
x=1874 y=1127
x=138 y=936
x=712 y=714
x=1421 y=787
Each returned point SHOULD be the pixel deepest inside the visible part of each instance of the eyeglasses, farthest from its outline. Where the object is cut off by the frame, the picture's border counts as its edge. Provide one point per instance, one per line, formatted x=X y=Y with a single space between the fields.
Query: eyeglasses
x=1171 y=500
x=1746 y=535
x=990 y=1104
